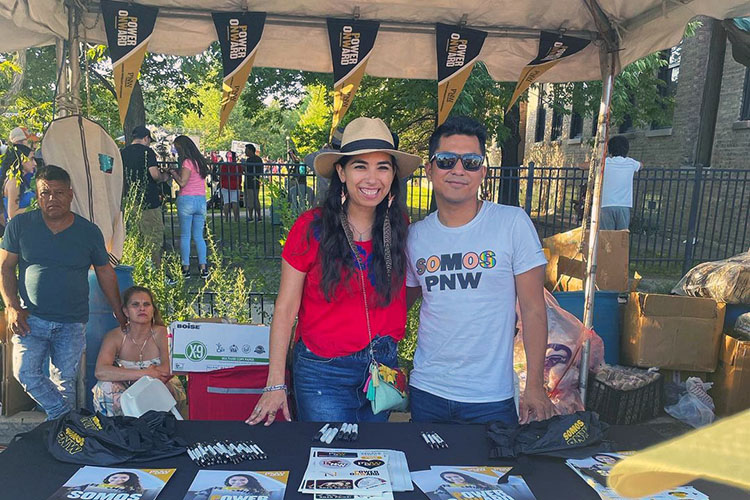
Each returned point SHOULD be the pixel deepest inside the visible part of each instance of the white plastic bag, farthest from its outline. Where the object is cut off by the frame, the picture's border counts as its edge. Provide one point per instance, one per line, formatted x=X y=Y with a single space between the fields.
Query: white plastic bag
x=695 y=407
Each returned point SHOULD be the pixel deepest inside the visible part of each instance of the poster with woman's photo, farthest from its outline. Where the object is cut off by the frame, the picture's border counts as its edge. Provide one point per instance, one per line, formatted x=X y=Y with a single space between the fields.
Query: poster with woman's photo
x=595 y=470
x=471 y=483
x=114 y=483
x=238 y=485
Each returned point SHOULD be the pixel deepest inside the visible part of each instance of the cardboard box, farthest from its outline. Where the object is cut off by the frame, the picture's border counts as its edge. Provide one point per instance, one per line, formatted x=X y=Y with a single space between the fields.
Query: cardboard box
x=568 y=265
x=731 y=390
x=203 y=347
x=671 y=331
x=12 y=396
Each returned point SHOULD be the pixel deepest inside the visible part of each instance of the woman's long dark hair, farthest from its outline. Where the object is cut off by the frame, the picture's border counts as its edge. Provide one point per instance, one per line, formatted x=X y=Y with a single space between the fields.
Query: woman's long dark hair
x=187 y=150
x=336 y=256
x=133 y=484
x=252 y=483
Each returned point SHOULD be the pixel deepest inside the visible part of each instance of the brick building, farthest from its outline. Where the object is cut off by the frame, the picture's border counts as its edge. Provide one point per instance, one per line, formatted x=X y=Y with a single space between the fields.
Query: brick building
x=565 y=139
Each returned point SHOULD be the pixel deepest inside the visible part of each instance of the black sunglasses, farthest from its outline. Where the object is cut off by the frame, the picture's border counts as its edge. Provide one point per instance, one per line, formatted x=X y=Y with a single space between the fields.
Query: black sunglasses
x=445 y=160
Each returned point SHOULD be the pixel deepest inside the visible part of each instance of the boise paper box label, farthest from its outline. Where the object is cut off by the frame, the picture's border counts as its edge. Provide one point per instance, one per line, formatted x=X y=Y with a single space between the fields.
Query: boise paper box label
x=203 y=347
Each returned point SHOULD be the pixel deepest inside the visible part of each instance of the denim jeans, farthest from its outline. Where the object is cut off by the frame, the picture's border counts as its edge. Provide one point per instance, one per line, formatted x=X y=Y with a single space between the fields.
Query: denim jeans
x=426 y=407
x=191 y=211
x=330 y=389
x=63 y=343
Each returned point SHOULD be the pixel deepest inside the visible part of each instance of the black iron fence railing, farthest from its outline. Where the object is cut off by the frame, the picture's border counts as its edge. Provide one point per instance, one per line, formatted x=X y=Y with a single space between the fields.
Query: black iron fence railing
x=680 y=216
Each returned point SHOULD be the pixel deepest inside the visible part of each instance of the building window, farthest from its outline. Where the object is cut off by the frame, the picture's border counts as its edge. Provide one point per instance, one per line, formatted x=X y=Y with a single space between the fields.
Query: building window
x=745 y=109
x=669 y=74
x=576 y=125
x=541 y=118
x=557 y=125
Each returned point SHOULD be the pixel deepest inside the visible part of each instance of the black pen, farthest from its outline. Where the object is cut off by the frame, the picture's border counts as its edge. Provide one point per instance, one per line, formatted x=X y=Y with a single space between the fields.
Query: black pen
x=441 y=443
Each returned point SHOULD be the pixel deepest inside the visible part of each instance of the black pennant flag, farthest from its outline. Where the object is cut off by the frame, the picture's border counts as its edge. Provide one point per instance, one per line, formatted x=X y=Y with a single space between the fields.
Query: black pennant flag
x=552 y=49
x=351 y=44
x=239 y=35
x=458 y=49
x=129 y=27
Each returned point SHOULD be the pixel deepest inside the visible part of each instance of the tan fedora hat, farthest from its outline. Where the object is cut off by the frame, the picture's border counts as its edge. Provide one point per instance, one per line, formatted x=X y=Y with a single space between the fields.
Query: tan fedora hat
x=366 y=135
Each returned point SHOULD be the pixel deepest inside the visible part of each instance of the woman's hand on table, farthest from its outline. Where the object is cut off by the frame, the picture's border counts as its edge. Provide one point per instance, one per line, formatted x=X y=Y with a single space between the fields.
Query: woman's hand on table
x=268 y=407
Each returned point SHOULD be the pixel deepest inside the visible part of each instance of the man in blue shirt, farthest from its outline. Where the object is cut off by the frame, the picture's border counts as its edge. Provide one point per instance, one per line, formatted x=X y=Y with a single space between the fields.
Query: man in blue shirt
x=53 y=249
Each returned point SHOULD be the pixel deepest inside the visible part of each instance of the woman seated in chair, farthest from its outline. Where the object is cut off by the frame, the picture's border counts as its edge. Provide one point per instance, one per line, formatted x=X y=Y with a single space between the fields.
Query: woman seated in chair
x=143 y=349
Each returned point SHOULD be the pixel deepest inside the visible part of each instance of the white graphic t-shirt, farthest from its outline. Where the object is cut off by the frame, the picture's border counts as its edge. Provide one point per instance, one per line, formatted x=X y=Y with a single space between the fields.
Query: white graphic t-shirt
x=467 y=321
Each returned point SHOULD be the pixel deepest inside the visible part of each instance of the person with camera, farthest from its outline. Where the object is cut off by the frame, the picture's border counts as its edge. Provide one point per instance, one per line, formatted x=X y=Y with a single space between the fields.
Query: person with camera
x=141 y=171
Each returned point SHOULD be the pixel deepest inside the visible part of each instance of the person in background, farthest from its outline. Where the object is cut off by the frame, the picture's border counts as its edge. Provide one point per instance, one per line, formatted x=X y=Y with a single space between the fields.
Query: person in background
x=142 y=349
x=53 y=249
x=191 y=202
x=470 y=262
x=18 y=192
x=21 y=145
x=230 y=178
x=355 y=240
x=253 y=173
x=617 y=187
x=140 y=168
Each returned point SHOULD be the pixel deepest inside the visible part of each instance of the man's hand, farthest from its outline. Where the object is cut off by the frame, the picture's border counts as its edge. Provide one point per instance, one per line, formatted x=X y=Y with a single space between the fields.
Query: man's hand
x=16 y=319
x=120 y=316
x=535 y=405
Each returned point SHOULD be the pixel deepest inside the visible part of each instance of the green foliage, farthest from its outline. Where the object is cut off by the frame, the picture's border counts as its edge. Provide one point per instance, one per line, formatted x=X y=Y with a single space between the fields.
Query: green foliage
x=314 y=123
x=408 y=345
x=280 y=203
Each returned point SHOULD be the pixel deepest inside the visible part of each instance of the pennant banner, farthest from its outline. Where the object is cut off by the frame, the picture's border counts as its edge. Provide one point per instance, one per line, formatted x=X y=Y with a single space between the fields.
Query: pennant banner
x=552 y=49
x=239 y=35
x=129 y=27
x=457 y=51
x=351 y=44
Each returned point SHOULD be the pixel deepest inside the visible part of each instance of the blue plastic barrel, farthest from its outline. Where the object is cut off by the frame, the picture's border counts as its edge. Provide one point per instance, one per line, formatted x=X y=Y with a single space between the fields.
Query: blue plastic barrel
x=101 y=320
x=606 y=318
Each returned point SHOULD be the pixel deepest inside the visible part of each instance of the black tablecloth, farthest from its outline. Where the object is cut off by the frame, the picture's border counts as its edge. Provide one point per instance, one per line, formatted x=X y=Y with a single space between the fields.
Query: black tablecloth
x=28 y=471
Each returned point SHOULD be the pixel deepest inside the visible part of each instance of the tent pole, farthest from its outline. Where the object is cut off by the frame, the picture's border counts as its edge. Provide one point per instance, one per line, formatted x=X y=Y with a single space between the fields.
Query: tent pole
x=596 y=168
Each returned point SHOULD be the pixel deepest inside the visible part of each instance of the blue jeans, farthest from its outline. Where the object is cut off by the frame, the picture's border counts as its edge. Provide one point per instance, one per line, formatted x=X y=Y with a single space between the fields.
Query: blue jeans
x=63 y=343
x=330 y=389
x=426 y=407
x=191 y=211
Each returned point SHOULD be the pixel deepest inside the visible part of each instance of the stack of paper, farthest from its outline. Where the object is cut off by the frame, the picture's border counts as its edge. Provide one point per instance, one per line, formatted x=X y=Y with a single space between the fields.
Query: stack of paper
x=471 y=483
x=346 y=474
x=595 y=469
x=238 y=485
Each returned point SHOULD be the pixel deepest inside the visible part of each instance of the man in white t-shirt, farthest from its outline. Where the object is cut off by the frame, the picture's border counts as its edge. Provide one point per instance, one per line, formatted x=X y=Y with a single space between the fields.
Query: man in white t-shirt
x=469 y=261
x=617 y=190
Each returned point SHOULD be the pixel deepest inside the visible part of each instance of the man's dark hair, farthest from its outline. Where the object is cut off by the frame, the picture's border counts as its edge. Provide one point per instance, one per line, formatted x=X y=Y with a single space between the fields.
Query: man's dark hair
x=618 y=146
x=52 y=173
x=458 y=125
x=251 y=148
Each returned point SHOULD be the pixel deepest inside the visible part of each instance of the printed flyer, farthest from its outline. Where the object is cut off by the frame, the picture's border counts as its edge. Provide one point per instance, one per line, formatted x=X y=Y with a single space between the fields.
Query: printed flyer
x=346 y=472
x=238 y=485
x=98 y=483
x=471 y=483
x=595 y=469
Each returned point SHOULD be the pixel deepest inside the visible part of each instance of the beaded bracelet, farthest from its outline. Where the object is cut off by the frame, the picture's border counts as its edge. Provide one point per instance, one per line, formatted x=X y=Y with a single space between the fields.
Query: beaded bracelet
x=271 y=388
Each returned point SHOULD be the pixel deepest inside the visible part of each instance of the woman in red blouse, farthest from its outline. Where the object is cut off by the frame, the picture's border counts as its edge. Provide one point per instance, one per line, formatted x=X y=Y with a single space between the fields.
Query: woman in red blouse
x=321 y=283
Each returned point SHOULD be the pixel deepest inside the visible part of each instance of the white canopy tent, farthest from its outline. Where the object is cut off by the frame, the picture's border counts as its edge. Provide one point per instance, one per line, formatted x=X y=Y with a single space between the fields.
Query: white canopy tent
x=295 y=37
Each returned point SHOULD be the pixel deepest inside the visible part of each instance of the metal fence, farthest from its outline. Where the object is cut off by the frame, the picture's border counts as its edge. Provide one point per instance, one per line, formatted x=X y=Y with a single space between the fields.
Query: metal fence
x=680 y=216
